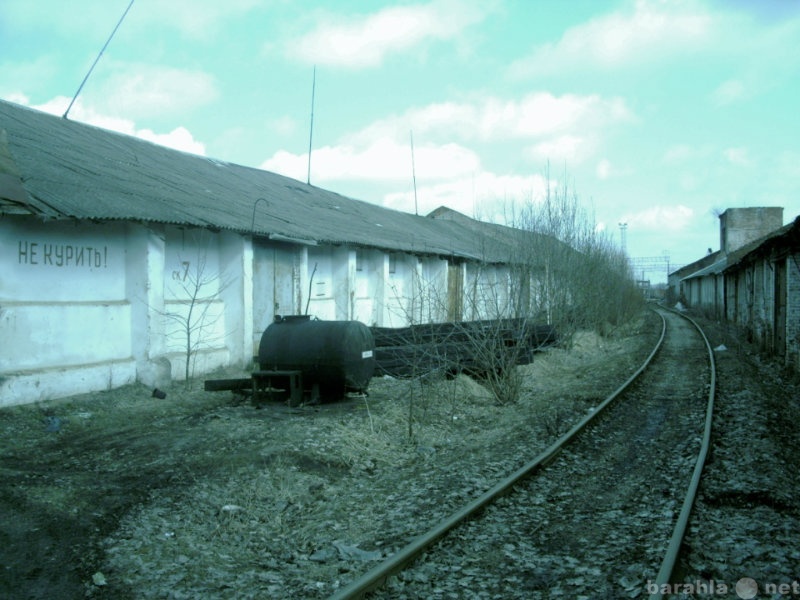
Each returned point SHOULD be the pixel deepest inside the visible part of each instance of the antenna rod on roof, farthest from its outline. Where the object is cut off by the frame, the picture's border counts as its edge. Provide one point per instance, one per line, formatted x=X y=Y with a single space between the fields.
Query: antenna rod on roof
x=311 y=129
x=80 y=87
x=413 y=172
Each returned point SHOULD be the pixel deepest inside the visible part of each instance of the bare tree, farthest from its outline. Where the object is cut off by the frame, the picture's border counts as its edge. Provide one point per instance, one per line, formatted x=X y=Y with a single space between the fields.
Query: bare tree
x=580 y=279
x=197 y=310
x=553 y=271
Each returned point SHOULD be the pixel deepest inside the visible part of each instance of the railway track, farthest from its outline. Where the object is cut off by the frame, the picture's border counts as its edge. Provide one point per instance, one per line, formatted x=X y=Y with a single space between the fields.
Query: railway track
x=599 y=514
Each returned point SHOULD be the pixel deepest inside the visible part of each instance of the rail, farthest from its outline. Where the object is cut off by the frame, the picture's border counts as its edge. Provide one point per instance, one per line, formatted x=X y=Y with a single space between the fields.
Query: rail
x=678 y=532
x=373 y=578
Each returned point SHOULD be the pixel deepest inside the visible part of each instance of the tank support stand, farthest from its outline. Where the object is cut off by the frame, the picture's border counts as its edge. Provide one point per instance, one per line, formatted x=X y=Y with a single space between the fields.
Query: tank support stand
x=267 y=385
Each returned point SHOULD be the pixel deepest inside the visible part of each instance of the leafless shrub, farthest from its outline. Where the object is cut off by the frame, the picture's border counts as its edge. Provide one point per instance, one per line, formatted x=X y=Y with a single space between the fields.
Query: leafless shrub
x=579 y=278
x=560 y=270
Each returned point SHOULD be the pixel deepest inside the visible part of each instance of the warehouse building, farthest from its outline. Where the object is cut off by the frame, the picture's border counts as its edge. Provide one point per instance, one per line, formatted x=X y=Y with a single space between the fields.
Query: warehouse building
x=122 y=258
x=753 y=282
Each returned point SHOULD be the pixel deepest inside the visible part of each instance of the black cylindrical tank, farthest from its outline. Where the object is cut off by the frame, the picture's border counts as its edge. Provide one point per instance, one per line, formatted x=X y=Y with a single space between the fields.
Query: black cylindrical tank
x=336 y=356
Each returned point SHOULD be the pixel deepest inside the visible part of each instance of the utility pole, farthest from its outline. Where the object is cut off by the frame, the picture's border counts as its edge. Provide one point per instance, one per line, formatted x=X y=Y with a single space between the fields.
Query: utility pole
x=103 y=49
x=413 y=173
x=311 y=128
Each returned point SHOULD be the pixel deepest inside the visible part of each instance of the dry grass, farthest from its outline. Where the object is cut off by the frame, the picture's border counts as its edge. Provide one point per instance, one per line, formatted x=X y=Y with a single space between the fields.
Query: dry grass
x=201 y=493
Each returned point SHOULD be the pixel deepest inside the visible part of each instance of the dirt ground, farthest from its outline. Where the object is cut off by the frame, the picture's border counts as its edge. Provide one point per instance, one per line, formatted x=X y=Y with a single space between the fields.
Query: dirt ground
x=118 y=494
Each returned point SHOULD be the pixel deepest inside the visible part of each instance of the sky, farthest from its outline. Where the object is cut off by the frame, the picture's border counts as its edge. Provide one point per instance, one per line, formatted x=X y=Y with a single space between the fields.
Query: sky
x=656 y=114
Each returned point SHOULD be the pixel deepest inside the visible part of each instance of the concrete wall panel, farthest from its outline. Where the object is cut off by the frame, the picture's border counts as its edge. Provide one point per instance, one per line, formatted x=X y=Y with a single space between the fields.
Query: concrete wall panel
x=47 y=335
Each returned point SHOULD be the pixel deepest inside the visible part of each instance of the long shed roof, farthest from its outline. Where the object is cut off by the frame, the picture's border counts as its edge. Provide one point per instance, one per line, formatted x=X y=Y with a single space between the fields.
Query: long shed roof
x=57 y=168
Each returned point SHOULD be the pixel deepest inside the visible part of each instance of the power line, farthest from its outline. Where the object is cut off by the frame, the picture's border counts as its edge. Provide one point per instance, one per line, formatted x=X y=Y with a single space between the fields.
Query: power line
x=656 y=265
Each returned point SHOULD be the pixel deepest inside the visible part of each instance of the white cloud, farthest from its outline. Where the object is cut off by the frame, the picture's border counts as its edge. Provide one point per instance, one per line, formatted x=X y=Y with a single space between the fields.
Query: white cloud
x=284 y=125
x=144 y=90
x=285 y=163
x=737 y=156
x=194 y=18
x=681 y=153
x=536 y=115
x=448 y=169
x=18 y=98
x=446 y=174
x=383 y=160
x=366 y=40
x=179 y=138
x=728 y=92
x=659 y=218
x=655 y=30
x=484 y=195
x=544 y=114
x=603 y=169
x=570 y=148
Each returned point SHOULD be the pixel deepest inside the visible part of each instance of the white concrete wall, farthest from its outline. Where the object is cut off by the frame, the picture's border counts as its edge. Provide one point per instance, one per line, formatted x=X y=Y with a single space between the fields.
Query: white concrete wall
x=203 y=300
x=236 y=256
x=144 y=267
x=343 y=265
x=376 y=287
x=65 y=318
x=85 y=307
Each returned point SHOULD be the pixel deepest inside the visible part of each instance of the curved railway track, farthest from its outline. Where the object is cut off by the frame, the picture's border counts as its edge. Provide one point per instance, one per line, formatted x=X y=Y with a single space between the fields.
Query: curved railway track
x=609 y=500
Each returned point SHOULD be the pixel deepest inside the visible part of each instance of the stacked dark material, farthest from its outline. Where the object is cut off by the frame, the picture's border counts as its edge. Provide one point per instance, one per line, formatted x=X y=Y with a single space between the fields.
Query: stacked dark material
x=473 y=347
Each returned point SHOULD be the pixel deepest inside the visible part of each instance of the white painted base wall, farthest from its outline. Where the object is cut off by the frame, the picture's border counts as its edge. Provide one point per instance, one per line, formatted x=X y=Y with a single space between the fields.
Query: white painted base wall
x=93 y=306
x=87 y=307
x=45 y=384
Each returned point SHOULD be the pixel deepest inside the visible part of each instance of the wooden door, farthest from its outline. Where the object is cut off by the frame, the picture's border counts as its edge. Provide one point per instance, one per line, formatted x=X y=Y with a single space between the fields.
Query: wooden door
x=779 y=336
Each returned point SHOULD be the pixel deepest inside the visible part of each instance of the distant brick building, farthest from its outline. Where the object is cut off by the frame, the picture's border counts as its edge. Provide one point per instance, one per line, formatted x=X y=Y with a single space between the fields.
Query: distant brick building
x=740 y=226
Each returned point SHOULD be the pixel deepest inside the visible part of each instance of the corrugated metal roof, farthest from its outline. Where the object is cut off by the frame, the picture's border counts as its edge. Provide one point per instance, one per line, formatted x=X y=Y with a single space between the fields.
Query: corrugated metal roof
x=788 y=235
x=712 y=269
x=73 y=170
